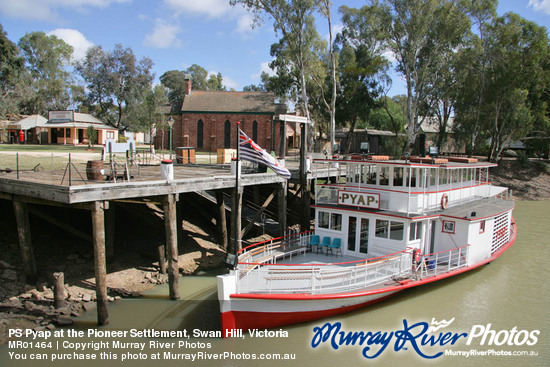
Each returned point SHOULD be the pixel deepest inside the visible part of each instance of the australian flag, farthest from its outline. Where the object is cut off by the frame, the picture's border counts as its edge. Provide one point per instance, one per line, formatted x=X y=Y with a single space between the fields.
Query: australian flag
x=252 y=152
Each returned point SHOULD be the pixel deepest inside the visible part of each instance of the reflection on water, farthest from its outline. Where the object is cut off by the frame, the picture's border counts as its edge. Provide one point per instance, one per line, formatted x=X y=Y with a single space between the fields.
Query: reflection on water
x=511 y=292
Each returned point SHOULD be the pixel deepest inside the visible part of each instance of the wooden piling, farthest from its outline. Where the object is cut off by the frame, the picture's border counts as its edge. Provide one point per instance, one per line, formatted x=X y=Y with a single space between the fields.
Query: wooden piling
x=162 y=258
x=110 y=217
x=25 y=240
x=58 y=290
x=281 y=204
x=221 y=223
x=236 y=225
x=171 y=244
x=100 y=263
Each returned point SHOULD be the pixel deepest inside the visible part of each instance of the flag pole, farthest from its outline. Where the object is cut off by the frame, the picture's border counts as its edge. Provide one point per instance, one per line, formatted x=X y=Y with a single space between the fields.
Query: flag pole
x=237 y=212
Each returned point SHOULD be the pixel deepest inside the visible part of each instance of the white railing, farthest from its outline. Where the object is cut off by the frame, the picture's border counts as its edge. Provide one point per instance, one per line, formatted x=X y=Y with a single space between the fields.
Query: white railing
x=323 y=278
x=442 y=262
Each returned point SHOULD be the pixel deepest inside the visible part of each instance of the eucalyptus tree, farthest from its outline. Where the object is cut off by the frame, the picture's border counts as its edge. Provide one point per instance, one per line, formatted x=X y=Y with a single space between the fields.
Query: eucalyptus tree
x=418 y=33
x=294 y=20
x=518 y=76
x=45 y=60
x=116 y=82
x=11 y=68
x=362 y=68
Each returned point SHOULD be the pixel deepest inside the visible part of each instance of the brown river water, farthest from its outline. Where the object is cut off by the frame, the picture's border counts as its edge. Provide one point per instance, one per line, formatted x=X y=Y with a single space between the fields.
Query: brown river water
x=500 y=317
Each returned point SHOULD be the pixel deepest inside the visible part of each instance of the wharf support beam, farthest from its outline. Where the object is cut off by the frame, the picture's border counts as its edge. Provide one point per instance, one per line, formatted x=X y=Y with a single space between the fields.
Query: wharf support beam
x=25 y=241
x=170 y=225
x=100 y=262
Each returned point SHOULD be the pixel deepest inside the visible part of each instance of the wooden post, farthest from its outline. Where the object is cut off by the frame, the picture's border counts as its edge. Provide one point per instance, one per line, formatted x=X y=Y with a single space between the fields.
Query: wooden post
x=281 y=204
x=110 y=216
x=172 y=244
x=179 y=218
x=25 y=240
x=304 y=184
x=222 y=219
x=58 y=290
x=282 y=141
x=162 y=258
x=100 y=263
x=236 y=225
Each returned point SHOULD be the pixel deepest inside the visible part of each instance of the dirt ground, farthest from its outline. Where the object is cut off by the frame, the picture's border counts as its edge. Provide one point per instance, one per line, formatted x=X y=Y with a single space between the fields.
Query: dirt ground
x=132 y=272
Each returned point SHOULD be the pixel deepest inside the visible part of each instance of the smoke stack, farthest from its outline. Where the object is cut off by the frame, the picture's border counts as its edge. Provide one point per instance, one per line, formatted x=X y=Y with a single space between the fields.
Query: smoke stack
x=187 y=78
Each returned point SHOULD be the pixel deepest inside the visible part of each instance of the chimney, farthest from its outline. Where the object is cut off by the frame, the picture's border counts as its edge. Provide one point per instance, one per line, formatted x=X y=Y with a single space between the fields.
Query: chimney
x=187 y=79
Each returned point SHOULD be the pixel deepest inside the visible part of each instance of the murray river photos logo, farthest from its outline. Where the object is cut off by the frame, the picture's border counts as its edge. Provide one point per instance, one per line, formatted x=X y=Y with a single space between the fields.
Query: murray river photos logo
x=425 y=339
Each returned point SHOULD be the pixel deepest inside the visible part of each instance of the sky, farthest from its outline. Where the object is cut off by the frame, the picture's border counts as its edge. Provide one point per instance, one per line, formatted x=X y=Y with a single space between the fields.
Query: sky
x=176 y=34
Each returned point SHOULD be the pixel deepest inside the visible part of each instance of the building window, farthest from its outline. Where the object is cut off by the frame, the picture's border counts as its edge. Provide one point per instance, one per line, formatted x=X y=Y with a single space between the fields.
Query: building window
x=67 y=133
x=110 y=134
x=227 y=135
x=415 y=231
x=482 y=226
x=200 y=134
x=448 y=226
x=255 y=131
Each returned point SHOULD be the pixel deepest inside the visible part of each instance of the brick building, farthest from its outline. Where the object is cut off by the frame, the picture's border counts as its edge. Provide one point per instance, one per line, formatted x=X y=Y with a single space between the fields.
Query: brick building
x=206 y=120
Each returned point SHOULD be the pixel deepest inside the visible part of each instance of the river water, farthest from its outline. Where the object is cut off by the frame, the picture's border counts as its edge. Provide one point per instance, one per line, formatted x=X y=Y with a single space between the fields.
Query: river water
x=509 y=298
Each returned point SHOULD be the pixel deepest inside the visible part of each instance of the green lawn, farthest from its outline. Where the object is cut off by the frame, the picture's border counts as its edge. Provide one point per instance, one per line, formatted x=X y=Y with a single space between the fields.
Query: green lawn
x=47 y=148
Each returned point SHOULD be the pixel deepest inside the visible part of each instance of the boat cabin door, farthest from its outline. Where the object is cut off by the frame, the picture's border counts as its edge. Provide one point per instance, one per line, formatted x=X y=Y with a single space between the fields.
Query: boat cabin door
x=358 y=236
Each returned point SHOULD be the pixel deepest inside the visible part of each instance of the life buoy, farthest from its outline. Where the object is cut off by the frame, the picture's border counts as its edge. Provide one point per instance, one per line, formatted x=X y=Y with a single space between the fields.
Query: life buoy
x=444 y=201
x=418 y=256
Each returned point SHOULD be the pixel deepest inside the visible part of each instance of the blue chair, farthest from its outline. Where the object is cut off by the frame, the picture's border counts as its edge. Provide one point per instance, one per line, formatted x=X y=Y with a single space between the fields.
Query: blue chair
x=325 y=243
x=313 y=241
x=335 y=245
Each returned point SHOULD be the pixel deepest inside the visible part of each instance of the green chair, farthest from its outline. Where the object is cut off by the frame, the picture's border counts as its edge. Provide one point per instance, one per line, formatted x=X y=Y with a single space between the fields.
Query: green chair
x=313 y=241
x=325 y=244
x=335 y=245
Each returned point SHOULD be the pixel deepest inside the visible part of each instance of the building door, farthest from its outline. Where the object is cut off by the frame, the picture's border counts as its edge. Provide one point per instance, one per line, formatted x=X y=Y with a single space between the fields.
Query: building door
x=227 y=135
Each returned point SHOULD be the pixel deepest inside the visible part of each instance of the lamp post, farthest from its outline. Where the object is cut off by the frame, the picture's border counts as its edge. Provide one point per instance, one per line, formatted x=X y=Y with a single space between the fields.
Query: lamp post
x=171 y=124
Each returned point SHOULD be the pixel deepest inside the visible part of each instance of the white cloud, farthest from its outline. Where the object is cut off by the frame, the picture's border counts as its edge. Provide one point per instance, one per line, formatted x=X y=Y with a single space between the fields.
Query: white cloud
x=230 y=83
x=164 y=35
x=264 y=67
x=74 y=38
x=210 y=8
x=47 y=9
x=540 y=5
x=244 y=25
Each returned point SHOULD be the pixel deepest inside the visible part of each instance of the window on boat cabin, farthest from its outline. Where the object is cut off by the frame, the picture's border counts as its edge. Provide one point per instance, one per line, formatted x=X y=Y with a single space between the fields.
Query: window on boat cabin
x=443 y=176
x=370 y=175
x=330 y=221
x=398 y=176
x=389 y=229
x=415 y=231
x=336 y=222
x=482 y=226
x=448 y=226
x=396 y=230
x=457 y=175
x=383 y=175
x=433 y=177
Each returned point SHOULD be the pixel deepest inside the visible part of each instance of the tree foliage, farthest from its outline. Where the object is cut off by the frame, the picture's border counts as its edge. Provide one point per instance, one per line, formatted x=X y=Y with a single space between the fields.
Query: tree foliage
x=116 y=82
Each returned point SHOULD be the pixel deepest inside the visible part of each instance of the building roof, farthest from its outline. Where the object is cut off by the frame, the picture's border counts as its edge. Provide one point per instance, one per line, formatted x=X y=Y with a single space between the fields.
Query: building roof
x=229 y=102
x=29 y=122
x=81 y=121
x=431 y=125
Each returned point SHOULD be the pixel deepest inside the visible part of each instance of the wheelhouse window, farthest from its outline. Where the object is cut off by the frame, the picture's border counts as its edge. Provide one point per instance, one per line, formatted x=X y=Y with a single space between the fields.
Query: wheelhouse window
x=398 y=176
x=384 y=175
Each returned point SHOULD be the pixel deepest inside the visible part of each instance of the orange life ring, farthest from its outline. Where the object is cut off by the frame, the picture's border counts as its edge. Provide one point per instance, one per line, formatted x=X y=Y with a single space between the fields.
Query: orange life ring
x=418 y=256
x=444 y=201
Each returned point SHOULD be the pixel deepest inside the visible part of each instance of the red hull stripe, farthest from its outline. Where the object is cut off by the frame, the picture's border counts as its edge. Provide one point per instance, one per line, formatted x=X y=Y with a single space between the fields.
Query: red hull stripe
x=265 y=320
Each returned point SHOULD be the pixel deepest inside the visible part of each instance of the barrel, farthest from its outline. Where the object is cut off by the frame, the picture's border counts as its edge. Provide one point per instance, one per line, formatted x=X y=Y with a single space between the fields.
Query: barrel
x=167 y=169
x=94 y=170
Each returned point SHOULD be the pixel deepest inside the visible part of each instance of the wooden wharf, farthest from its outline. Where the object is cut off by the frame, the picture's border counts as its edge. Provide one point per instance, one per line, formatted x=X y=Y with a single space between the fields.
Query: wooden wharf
x=145 y=185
